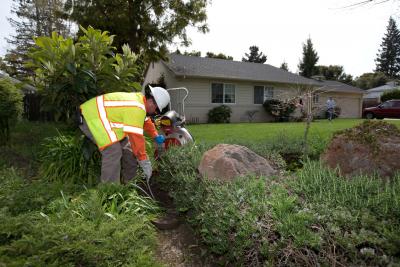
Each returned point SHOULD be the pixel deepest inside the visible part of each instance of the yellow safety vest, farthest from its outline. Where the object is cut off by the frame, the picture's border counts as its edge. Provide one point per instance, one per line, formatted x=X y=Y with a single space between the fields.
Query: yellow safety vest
x=110 y=116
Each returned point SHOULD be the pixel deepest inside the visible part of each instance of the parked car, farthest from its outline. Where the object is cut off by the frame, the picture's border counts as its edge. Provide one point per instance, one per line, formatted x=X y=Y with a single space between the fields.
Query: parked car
x=388 y=109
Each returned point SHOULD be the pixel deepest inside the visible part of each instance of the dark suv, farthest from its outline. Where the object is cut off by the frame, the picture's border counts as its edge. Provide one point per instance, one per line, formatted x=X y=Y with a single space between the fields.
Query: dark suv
x=388 y=109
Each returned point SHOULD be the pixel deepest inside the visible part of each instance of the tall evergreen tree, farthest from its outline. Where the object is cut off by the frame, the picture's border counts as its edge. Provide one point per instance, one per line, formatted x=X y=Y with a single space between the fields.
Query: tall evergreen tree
x=147 y=26
x=388 y=57
x=254 y=56
x=33 y=18
x=307 y=65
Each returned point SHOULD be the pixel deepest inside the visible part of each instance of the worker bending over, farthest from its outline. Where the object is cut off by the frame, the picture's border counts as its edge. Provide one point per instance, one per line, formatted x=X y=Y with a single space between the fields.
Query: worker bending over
x=115 y=123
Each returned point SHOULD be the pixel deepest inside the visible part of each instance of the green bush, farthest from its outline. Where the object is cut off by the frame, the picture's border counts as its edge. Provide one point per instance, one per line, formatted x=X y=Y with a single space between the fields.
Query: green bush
x=313 y=218
x=389 y=95
x=280 y=110
x=67 y=226
x=69 y=72
x=11 y=108
x=236 y=220
x=221 y=114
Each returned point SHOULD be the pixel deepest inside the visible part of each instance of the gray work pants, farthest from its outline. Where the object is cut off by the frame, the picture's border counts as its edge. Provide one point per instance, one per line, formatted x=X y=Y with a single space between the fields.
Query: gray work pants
x=112 y=157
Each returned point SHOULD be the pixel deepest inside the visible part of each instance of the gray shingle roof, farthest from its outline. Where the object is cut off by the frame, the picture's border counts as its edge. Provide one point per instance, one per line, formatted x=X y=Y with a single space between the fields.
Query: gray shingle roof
x=386 y=87
x=26 y=87
x=191 y=66
x=340 y=87
x=199 y=67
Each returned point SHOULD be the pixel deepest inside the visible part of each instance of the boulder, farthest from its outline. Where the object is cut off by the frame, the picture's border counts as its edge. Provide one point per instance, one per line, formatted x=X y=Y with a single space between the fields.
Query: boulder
x=370 y=148
x=225 y=162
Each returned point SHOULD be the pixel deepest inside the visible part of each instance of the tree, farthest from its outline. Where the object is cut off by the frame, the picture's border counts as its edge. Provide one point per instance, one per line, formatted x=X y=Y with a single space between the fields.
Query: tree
x=284 y=66
x=70 y=73
x=334 y=73
x=11 y=107
x=194 y=53
x=307 y=66
x=220 y=56
x=34 y=18
x=388 y=57
x=371 y=80
x=389 y=95
x=254 y=56
x=147 y=26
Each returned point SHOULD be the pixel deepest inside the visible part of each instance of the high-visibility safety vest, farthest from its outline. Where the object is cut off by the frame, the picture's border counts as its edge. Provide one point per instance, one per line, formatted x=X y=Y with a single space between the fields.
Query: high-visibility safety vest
x=110 y=116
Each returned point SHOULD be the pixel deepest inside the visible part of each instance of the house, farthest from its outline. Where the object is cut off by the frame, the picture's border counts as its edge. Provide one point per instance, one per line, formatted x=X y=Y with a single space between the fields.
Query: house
x=373 y=95
x=242 y=86
x=26 y=88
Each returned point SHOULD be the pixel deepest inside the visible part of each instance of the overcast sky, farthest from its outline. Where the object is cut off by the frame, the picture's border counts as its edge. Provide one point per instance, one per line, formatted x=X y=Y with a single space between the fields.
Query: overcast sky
x=341 y=36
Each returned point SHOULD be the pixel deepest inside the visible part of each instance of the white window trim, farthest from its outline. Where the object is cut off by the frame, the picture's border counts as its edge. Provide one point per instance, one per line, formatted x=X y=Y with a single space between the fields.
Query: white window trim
x=223 y=93
x=264 y=98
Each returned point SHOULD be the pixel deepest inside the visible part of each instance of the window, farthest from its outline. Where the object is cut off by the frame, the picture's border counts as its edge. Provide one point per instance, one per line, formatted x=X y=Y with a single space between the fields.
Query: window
x=315 y=98
x=262 y=93
x=387 y=104
x=222 y=93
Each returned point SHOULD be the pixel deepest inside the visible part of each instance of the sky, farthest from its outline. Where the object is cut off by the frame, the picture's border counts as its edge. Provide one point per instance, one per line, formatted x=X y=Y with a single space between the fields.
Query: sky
x=349 y=36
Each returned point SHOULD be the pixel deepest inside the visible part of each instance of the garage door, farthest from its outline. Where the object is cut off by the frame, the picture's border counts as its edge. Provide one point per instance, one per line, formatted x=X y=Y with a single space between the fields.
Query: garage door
x=350 y=107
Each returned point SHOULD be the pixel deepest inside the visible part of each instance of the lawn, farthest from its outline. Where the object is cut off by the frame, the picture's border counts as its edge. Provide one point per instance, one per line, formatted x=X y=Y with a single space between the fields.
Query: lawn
x=269 y=131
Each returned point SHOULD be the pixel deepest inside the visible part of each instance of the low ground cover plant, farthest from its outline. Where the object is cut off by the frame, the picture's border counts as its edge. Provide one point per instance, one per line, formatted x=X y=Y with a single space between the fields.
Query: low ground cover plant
x=312 y=218
x=59 y=225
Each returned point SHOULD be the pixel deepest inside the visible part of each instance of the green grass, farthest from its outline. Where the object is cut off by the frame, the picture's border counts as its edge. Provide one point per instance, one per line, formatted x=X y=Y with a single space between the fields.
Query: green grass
x=23 y=150
x=217 y=133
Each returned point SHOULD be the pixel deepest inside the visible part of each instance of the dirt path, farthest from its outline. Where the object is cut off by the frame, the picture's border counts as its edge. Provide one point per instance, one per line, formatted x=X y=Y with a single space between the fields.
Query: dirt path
x=179 y=248
x=177 y=245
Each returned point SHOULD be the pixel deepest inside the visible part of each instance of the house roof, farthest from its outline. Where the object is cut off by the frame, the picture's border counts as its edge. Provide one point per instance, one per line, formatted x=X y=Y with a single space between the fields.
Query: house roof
x=199 y=67
x=26 y=87
x=386 y=87
x=378 y=91
x=341 y=87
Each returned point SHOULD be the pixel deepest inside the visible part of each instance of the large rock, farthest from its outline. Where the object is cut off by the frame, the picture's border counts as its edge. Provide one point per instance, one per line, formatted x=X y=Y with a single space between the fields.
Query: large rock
x=370 y=148
x=225 y=162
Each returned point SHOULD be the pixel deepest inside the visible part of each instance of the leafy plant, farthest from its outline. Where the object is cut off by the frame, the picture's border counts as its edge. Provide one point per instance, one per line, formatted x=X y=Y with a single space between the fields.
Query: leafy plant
x=70 y=73
x=389 y=95
x=11 y=107
x=313 y=218
x=51 y=224
x=221 y=114
x=64 y=159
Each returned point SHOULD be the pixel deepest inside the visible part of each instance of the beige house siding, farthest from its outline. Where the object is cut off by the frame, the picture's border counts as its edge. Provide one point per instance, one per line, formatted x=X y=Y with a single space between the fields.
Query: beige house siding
x=198 y=102
x=155 y=71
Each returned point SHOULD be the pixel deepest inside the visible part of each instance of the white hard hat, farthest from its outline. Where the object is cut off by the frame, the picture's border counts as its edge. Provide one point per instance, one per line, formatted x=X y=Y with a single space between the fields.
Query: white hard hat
x=161 y=96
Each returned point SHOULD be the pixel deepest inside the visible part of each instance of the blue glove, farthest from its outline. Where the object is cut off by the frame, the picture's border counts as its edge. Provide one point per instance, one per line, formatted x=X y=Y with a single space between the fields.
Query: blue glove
x=159 y=139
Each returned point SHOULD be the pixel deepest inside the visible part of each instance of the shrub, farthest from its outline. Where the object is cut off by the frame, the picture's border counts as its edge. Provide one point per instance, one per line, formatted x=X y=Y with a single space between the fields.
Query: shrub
x=70 y=159
x=389 y=95
x=69 y=72
x=247 y=221
x=280 y=110
x=11 y=107
x=316 y=218
x=105 y=226
x=221 y=114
